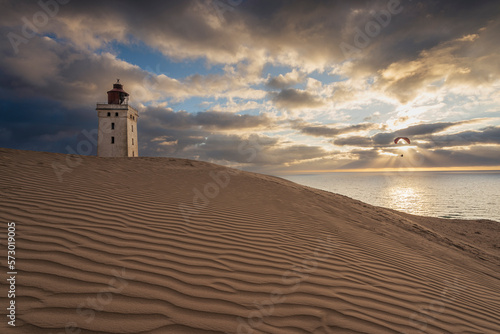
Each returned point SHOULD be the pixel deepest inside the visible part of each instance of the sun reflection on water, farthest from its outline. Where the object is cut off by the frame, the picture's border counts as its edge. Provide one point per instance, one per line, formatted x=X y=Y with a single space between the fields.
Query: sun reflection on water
x=404 y=198
x=469 y=195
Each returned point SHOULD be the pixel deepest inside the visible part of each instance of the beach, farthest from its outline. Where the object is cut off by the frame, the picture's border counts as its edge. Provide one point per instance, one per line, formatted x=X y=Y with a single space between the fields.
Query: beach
x=164 y=245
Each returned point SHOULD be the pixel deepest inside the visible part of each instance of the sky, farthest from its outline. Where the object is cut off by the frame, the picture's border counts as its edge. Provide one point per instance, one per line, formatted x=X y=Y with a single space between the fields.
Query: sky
x=269 y=86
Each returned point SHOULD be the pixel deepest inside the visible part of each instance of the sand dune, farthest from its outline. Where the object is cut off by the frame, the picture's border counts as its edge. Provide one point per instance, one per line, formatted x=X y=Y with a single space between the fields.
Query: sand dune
x=159 y=245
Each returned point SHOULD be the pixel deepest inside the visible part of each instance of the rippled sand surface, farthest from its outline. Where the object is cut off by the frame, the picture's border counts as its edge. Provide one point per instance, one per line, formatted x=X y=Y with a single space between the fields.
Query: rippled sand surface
x=159 y=245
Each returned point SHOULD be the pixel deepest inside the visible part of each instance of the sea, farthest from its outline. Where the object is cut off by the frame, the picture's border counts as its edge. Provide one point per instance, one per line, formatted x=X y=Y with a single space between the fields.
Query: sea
x=450 y=194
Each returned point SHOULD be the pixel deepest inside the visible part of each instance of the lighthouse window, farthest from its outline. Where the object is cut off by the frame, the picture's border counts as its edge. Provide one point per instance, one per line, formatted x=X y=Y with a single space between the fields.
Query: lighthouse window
x=109 y=114
x=132 y=127
x=112 y=126
x=116 y=114
x=112 y=140
x=132 y=141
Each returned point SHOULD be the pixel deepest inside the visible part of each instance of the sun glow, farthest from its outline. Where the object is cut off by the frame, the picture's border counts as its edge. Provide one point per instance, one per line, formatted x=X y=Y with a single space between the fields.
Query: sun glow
x=406 y=147
x=387 y=153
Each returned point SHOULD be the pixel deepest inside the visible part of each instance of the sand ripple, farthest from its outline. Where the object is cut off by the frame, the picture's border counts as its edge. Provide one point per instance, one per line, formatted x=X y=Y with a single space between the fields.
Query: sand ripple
x=119 y=247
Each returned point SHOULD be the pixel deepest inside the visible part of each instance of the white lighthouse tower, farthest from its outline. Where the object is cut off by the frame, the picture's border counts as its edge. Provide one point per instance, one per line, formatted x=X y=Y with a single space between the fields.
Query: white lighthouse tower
x=117 y=125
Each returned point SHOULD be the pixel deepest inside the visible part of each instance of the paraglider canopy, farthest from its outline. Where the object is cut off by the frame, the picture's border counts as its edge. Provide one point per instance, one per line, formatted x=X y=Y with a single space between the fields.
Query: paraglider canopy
x=401 y=139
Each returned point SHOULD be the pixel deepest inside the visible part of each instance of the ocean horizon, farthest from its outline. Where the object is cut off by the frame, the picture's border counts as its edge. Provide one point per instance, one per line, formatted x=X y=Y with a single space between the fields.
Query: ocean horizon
x=444 y=194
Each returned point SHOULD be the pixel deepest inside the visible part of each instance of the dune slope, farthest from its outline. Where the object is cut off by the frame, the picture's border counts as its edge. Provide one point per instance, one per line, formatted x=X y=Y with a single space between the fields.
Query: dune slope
x=159 y=245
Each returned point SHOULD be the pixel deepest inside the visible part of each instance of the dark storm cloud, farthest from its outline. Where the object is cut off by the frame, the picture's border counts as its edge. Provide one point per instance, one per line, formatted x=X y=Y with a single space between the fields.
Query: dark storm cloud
x=104 y=20
x=470 y=59
x=202 y=136
x=199 y=135
x=76 y=63
x=295 y=99
x=429 y=128
x=425 y=24
x=226 y=120
x=209 y=120
x=489 y=135
x=420 y=131
x=38 y=124
x=268 y=151
x=365 y=154
x=420 y=26
x=286 y=81
x=52 y=71
x=183 y=28
x=428 y=131
x=473 y=156
x=300 y=32
x=354 y=141
x=222 y=148
x=325 y=131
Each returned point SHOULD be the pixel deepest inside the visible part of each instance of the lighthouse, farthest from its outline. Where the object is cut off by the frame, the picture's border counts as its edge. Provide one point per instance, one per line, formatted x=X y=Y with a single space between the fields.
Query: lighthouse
x=117 y=125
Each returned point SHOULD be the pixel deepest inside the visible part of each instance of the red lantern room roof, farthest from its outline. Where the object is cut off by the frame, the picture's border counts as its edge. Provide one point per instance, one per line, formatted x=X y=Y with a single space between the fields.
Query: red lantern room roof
x=117 y=95
x=118 y=87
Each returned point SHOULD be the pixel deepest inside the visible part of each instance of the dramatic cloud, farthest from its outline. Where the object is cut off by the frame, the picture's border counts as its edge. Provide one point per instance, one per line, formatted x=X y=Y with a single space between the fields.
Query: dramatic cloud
x=208 y=75
x=209 y=120
x=449 y=62
x=296 y=99
x=354 y=141
x=325 y=131
x=287 y=80
x=421 y=131
x=258 y=150
x=489 y=135
x=239 y=150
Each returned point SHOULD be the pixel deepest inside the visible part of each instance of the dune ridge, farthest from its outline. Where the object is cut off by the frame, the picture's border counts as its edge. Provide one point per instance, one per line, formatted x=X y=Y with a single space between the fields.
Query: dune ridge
x=128 y=245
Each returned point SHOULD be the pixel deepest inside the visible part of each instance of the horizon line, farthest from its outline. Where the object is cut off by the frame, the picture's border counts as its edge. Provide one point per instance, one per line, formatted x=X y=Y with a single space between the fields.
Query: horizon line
x=393 y=169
